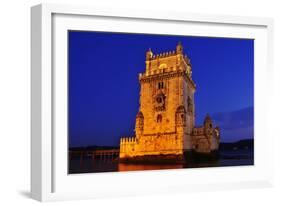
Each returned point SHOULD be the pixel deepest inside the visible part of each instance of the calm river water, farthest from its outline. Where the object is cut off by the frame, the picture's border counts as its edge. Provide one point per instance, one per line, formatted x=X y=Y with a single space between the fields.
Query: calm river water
x=227 y=158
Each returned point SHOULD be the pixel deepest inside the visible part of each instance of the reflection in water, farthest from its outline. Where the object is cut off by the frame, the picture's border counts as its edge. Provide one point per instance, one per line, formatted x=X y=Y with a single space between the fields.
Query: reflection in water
x=89 y=165
x=134 y=167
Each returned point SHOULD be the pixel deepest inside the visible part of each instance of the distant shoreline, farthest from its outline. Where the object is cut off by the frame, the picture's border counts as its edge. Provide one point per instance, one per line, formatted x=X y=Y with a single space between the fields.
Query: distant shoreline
x=240 y=144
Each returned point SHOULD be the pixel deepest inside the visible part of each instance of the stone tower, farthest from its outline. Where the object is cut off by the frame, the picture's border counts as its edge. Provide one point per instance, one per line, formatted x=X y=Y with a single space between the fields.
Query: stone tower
x=166 y=117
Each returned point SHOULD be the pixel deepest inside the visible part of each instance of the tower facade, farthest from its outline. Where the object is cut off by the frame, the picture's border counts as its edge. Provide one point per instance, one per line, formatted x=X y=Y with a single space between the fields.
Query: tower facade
x=165 y=121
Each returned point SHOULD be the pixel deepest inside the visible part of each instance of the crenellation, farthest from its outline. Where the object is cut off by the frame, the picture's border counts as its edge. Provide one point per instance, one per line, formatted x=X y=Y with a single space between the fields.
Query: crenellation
x=127 y=140
x=163 y=55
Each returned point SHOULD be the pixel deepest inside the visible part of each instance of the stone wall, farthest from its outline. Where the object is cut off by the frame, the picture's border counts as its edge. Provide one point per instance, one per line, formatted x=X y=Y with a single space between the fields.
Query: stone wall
x=155 y=144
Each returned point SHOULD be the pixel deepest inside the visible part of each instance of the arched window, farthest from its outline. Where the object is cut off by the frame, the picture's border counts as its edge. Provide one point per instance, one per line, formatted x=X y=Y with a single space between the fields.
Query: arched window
x=139 y=120
x=159 y=118
x=180 y=115
x=160 y=85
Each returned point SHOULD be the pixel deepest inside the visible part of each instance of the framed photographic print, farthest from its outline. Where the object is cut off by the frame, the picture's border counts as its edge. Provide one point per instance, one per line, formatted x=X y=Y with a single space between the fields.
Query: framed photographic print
x=137 y=102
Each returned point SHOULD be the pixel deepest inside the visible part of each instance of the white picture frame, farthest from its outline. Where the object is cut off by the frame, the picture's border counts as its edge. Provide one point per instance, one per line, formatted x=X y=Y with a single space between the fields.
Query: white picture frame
x=49 y=178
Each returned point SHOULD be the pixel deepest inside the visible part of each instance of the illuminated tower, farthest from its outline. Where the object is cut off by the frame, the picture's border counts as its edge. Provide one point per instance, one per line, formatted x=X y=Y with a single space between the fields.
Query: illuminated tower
x=165 y=121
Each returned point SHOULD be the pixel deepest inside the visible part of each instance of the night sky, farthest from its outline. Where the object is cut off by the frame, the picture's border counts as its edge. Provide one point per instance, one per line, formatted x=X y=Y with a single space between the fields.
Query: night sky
x=104 y=89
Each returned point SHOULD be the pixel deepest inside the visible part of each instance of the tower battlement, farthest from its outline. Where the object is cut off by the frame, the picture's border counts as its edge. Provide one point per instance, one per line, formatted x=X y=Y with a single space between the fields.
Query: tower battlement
x=125 y=140
x=167 y=62
x=166 y=55
x=163 y=55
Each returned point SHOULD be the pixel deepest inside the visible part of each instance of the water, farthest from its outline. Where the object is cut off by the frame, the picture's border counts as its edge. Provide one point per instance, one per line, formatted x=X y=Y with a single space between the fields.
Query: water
x=227 y=158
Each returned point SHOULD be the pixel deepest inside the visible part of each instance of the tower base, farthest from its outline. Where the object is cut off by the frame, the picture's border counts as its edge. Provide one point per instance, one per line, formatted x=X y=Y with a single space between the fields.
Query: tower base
x=158 y=159
x=189 y=156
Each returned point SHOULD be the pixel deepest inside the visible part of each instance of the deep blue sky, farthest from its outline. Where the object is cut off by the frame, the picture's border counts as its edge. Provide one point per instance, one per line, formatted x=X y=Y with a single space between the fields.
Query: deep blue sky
x=104 y=88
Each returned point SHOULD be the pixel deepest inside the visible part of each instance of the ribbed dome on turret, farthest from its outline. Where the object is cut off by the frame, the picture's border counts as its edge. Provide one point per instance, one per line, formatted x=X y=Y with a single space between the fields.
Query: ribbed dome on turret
x=179 y=48
x=207 y=119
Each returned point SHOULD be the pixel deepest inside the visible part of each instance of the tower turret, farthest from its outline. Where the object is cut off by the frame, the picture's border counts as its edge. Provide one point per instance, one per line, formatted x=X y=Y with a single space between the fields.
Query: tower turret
x=208 y=125
x=179 y=48
x=181 y=116
x=149 y=54
x=139 y=124
x=208 y=121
